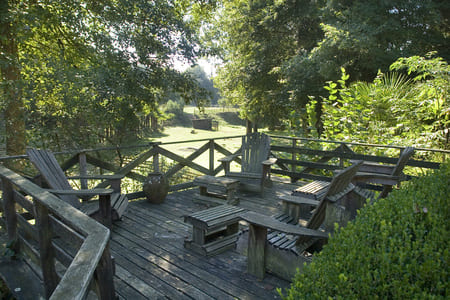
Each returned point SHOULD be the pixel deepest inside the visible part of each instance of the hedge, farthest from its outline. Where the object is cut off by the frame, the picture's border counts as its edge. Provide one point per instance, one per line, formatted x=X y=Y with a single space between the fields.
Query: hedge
x=397 y=248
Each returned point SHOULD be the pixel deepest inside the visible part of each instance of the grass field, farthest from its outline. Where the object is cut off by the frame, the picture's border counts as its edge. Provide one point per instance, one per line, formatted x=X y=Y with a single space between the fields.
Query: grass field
x=181 y=130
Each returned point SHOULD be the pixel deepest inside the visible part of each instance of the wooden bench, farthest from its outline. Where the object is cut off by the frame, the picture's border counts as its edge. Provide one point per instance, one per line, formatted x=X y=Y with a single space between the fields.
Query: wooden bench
x=257 y=239
x=216 y=190
x=214 y=230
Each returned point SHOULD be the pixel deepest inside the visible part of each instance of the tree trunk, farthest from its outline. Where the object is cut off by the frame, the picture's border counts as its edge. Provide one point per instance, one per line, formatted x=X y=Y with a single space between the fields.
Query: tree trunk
x=14 y=108
x=154 y=123
x=249 y=127
x=319 y=123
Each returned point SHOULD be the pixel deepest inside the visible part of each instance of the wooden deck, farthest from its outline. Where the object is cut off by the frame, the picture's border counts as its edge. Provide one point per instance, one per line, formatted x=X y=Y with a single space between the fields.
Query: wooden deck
x=152 y=263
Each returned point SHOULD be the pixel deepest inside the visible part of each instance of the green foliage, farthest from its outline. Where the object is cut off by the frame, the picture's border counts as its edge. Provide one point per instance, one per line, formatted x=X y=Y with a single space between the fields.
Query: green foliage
x=431 y=76
x=392 y=108
x=278 y=53
x=92 y=67
x=255 y=42
x=175 y=108
x=211 y=93
x=397 y=248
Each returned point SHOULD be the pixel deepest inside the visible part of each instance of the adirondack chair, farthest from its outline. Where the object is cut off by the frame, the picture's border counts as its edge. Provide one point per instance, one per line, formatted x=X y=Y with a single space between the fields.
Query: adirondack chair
x=54 y=176
x=386 y=175
x=255 y=162
x=279 y=244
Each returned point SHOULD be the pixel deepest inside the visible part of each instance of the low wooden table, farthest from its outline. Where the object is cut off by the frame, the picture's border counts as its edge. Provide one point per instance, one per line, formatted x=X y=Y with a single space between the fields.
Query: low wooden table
x=303 y=199
x=314 y=190
x=214 y=230
x=216 y=190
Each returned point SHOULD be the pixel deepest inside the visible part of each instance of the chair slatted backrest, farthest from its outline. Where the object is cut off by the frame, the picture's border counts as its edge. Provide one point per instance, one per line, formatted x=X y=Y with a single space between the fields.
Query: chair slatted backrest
x=339 y=184
x=255 y=149
x=398 y=169
x=51 y=171
x=402 y=160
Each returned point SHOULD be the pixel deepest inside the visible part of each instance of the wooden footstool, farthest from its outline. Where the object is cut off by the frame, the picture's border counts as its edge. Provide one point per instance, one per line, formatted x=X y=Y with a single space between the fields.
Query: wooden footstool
x=303 y=199
x=214 y=230
x=216 y=190
x=314 y=190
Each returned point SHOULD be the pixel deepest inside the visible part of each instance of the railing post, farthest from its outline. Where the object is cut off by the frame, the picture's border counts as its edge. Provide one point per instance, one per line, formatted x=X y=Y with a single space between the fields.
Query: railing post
x=341 y=159
x=9 y=211
x=47 y=255
x=105 y=210
x=83 y=172
x=104 y=276
x=156 y=159
x=294 y=156
x=211 y=157
x=83 y=169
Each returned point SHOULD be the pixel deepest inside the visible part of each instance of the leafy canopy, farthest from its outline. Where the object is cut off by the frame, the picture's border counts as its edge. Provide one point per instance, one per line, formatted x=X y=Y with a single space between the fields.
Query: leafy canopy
x=87 y=66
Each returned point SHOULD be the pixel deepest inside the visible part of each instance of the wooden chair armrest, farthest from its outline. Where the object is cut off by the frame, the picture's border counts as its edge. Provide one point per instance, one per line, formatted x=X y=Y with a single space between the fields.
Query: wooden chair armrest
x=270 y=161
x=106 y=177
x=229 y=158
x=94 y=192
x=243 y=175
x=376 y=178
x=298 y=200
x=374 y=167
x=271 y=223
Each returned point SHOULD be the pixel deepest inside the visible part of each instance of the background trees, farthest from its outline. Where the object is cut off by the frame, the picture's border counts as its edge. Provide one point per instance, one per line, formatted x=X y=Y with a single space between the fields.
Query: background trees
x=279 y=53
x=74 y=69
x=393 y=108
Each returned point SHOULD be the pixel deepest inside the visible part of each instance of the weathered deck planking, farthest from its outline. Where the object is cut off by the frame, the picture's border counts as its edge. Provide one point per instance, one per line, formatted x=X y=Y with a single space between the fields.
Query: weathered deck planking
x=151 y=262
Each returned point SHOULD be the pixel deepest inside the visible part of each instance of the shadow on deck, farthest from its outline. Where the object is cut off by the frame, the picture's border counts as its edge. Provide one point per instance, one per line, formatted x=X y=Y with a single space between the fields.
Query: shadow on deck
x=151 y=262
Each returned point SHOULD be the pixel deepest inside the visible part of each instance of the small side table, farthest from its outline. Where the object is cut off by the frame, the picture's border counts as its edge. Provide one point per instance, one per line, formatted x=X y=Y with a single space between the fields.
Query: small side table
x=216 y=190
x=314 y=190
x=214 y=230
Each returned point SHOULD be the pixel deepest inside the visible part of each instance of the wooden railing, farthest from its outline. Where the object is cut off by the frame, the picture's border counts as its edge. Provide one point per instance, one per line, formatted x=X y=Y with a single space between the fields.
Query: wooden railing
x=47 y=230
x=87 y=259
x=298 y=158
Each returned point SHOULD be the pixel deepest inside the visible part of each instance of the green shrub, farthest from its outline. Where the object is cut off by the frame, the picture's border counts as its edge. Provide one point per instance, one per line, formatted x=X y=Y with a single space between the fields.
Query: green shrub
x=174 y=107
x=397 y=248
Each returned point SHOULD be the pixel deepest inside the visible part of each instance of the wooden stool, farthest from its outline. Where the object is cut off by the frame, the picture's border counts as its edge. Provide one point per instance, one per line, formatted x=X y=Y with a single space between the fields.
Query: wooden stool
x=303 y=199
x=214 y=230
x=216 y=190
x=313 y=190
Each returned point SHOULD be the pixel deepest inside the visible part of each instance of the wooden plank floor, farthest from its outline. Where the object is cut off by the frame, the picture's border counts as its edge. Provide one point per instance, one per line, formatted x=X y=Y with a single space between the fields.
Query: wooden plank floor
x=151 y=262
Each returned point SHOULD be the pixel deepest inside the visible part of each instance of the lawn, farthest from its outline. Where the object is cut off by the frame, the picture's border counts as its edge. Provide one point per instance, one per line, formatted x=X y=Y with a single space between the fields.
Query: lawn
x=181 y=130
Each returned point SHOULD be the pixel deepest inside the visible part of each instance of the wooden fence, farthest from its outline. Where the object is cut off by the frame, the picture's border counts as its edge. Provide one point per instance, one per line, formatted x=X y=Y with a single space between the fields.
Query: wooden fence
x=298 y=159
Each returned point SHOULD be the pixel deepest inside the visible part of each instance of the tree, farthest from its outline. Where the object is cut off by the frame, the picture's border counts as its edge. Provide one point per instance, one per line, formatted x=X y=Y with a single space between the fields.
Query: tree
x=89 y=66
x=10 y=72
x=364 y=37
x=279 y=53
x=212 y=93
x=253 y=50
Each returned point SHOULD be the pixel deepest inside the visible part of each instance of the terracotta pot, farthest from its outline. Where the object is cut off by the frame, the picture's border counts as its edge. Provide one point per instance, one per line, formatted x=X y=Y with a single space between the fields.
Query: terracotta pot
x=156 y=187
